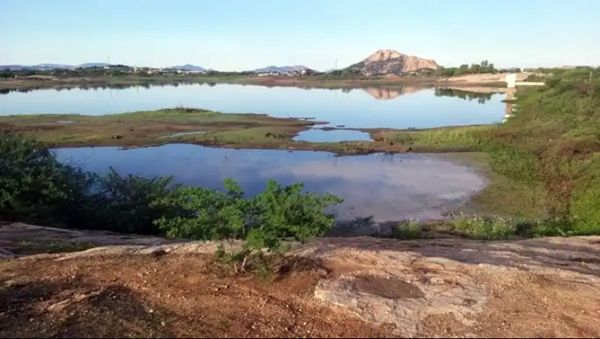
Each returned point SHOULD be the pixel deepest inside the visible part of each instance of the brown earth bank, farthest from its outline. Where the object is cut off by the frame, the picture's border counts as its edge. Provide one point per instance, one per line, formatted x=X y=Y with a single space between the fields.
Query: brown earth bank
x=148 y=286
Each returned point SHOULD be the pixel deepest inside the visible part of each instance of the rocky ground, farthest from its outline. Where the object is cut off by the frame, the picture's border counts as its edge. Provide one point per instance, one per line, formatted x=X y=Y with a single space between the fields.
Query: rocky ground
x=147 y=286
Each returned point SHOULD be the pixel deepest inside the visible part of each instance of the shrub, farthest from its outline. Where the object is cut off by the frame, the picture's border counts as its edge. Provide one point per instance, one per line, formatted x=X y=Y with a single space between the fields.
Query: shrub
x=553 y=227
x=484 y=228
x=263 y=221
x=407 y=229
x=33 y=185
x=278 y=213
x=126 y=203
x=199 y=213
x=288 y=212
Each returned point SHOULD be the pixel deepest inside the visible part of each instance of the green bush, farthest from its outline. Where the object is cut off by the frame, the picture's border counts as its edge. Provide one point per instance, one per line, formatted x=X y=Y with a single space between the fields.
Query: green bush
x=553 y=227
x=408 y=229
x=33 y=185
x=484 y=228
x=126 y=203
x=263 y=221
x=199 y=213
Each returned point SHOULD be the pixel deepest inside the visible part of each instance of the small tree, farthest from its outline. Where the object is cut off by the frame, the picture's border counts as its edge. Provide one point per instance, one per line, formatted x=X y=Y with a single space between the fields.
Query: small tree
x=125 y=203
x=276 y=214
x=33 y=185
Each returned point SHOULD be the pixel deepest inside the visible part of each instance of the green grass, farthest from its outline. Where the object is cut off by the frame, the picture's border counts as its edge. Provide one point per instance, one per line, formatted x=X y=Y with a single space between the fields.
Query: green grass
x=447 y=139
x=544 y=161
x=554 y=141
x=148 y=128
x=154 y=127
x=502 y=196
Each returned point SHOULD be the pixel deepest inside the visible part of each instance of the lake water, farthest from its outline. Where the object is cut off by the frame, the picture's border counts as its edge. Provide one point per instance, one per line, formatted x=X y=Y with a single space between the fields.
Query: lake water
x=321 y=135
x=387 y=187
x=352 y=108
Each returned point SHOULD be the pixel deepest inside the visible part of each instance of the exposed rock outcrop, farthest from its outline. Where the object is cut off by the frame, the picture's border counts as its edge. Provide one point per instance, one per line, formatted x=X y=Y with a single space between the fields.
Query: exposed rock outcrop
x=390 y=62
x=544 y=287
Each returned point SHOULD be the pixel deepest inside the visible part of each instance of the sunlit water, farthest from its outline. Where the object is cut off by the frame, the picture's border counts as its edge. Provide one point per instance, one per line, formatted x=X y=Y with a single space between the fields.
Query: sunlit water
x=352 y=108
x=320 y=135
x=386 y=187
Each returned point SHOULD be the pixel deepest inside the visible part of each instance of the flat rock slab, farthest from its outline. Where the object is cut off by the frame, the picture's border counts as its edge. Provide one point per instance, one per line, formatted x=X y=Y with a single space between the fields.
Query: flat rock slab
x=413 y=286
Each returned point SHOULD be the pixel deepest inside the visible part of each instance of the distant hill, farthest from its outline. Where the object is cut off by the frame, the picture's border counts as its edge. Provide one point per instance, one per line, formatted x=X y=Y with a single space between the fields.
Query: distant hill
x=11 y=67
x=92 y=65
x=39 y=67
x=188 y=68
x=48 y=67
x=390 y=62
x=297 y=69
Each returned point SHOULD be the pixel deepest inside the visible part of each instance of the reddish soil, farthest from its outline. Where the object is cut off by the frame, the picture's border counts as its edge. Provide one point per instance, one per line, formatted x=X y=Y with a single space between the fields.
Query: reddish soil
x=171 y=295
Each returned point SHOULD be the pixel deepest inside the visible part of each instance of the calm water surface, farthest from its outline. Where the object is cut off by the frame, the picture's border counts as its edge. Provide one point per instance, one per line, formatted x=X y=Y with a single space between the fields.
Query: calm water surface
x=353 y=108
x=320 y=135
x=387 y=187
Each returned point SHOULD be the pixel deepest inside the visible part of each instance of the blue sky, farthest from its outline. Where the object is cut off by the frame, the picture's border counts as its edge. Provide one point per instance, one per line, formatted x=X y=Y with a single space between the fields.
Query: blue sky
x=246 y=34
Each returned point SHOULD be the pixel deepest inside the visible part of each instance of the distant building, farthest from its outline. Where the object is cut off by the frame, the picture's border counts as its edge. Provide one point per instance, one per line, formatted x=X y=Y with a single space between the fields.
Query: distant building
x=511 y=80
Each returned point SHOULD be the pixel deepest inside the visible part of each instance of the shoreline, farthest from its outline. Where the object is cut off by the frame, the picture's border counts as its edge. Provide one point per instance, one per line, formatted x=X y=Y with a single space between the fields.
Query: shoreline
x=34 y=83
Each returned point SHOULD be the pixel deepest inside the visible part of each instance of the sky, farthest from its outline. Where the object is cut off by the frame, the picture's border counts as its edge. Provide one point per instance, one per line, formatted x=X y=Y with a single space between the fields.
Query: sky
x=235 y=35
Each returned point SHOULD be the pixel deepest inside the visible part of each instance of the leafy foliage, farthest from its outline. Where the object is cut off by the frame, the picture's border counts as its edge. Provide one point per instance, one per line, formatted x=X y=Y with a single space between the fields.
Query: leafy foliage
x=278 y=213
x=408 y=229
x=483 y=67
x=125 y=204
x=32 y=183
x=199 y=213
x=35 y=187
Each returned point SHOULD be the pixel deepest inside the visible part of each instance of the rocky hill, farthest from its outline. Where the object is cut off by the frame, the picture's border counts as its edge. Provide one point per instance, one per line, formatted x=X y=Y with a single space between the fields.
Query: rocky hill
x=390 y=62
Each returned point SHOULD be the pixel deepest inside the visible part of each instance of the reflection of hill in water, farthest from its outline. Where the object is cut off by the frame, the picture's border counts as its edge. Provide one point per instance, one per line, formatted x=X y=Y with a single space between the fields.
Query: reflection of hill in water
x=390 y=93
x=382 y=93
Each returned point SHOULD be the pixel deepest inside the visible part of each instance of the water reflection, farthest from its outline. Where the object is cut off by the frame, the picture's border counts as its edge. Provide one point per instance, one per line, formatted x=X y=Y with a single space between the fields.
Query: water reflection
x=338 y=135
x=379 y=92
x=384 y=93
x=481 y=97
x=387 y=187
x=374 y=107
